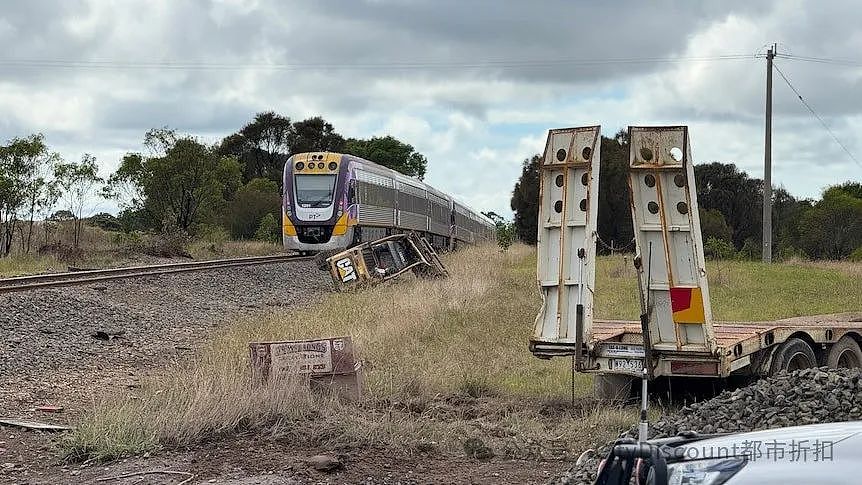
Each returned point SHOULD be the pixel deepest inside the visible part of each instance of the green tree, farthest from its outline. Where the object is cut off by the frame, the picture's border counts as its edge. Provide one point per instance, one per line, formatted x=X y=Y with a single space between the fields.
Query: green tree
x=29 y=161
x=315 y=135
x=12 y=196
x=713 y=226
x=252 y=202
x=182 y=183
x=525 y=201
x=832 y=228
x=505 y=230
x=78 y=183
x=263 y=145
x=738 y=197
x=389 y=152
x=614 y=218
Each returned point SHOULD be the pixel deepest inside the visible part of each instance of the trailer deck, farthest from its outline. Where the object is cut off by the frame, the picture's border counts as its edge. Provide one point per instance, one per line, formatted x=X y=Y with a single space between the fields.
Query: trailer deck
x=735 y=341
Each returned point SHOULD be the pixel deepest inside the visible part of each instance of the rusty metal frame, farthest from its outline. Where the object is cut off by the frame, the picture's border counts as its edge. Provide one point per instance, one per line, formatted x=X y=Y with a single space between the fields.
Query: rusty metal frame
x=650 y=155
x=559 y=330
x=735 y=340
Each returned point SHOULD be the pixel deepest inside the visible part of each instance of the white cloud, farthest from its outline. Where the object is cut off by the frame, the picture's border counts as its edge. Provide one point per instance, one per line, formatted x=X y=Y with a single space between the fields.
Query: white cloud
x=459 y=81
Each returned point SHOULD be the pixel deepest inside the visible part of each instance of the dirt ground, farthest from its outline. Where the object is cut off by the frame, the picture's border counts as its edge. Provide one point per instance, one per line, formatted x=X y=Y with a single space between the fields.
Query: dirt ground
x=68 y=368
x=261 y=461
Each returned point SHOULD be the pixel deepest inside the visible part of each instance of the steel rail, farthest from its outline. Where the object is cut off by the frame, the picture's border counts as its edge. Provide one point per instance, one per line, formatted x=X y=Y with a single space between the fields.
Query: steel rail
x=51 y=280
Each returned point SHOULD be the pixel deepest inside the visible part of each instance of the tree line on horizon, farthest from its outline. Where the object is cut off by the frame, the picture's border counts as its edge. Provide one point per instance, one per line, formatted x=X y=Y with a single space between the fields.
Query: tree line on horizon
x=731 y=211
x=177 y=183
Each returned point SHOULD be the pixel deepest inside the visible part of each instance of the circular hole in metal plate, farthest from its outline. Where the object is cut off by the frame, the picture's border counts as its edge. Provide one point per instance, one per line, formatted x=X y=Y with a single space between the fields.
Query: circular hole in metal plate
x=646 y=154
x=583 y=205
x=585 y=179
x=679 y=180
x=558 y=206
x=682 y=207
x=558 y=181
x=649 y=180
x=676 y=154
x=561 y=155
x=652 y=207
x=587 y=152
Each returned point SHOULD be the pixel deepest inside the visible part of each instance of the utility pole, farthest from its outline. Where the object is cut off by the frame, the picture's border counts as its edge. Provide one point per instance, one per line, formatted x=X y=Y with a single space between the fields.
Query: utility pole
x=767 y=161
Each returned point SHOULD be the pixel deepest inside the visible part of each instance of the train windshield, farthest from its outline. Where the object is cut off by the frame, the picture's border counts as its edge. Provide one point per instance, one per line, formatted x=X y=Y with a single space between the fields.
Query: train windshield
x=314 y=190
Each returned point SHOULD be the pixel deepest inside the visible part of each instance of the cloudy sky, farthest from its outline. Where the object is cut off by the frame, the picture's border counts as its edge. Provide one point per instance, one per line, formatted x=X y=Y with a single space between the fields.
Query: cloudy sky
x=474 y=85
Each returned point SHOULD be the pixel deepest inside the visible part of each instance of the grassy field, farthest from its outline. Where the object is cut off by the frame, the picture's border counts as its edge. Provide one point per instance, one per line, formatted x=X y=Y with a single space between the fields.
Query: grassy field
x=444 y=360
x=110 y=256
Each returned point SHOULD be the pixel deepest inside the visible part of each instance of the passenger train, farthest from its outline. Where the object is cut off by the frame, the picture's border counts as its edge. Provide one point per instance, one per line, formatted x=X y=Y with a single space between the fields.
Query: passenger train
x=334 y=201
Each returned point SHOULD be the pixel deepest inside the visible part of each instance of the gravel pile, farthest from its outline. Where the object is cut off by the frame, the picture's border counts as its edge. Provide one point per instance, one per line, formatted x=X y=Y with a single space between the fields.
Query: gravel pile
x=807 y=396
x=49 y=354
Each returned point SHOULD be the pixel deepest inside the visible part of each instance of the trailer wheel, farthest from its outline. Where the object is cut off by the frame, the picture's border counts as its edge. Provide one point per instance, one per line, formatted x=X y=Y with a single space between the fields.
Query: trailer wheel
x=845 y=354
x=793 y=354
x=612 y=387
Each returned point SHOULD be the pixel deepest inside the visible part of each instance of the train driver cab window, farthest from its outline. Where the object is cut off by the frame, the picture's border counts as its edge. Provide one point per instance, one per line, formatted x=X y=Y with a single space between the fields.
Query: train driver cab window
x=314 y=190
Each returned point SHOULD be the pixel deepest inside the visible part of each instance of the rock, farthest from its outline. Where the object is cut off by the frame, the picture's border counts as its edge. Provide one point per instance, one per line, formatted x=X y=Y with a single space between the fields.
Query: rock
x=107 y=334
x=325 y=463
x=802 y=397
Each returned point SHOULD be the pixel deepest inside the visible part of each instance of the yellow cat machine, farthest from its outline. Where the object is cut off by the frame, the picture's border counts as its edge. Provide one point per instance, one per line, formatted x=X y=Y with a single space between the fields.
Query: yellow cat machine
x=676 y=335
x=378 y=261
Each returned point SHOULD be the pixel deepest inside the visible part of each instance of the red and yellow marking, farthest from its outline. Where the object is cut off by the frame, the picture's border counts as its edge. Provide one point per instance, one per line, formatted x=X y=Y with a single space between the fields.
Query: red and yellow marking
x=687 y=305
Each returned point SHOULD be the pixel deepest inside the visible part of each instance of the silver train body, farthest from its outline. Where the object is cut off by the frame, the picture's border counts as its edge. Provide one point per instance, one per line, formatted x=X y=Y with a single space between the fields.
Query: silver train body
x=333 y=201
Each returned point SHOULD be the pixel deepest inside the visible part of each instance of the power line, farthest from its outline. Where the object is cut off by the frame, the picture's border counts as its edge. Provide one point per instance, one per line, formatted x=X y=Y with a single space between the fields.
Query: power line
x=835 y=61
x=400 y=65
x=817 y=116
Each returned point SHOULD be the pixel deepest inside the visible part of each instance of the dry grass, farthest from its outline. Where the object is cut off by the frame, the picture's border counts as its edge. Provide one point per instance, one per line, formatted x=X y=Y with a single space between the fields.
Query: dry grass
x=444 y=360
x=25 y=264
x=231 y=249
x=849 y=268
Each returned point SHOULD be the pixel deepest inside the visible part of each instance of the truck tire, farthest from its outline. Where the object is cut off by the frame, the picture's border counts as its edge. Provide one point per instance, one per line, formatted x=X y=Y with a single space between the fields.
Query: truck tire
x=793 y=354
x=845 y=354
x=612 y=387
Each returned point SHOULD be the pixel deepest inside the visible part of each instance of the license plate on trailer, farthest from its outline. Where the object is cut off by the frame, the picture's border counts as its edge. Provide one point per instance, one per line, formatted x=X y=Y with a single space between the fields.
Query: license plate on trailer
x=627 y=365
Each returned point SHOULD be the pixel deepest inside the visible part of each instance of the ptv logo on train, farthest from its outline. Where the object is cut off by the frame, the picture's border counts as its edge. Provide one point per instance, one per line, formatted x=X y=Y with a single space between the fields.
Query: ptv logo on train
x=345 y=270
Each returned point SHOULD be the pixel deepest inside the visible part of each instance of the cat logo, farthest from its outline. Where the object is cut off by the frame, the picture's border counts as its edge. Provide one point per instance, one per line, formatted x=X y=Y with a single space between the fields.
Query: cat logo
x=345 y=270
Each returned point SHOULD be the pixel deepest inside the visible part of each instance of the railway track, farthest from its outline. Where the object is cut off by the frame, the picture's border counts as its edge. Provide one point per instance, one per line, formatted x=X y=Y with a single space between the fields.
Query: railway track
x=52 y=280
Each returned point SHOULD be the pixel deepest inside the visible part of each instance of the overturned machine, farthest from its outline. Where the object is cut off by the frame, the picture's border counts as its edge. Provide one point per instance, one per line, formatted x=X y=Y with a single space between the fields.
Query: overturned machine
x=378 y=261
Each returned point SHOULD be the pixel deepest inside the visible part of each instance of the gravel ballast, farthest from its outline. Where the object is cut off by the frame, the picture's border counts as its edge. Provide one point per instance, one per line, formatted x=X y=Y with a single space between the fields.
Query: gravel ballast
x=50 y=354
x=806 y=396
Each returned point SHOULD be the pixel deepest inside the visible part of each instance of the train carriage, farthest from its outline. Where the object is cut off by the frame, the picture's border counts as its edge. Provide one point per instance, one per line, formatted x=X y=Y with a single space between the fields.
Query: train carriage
x=333 y=201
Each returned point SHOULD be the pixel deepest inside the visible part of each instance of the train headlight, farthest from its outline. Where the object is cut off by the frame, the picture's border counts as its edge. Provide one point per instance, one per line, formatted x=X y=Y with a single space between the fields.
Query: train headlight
x=320 y=165
x=300 y=165
x=333 y=165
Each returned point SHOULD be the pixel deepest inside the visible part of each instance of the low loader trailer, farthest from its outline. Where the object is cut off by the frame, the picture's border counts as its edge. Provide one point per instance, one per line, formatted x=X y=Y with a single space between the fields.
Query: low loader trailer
x=676 y=335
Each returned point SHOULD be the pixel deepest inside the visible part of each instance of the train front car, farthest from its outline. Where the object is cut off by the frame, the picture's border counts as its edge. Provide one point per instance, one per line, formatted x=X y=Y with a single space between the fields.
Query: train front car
x=315 y=206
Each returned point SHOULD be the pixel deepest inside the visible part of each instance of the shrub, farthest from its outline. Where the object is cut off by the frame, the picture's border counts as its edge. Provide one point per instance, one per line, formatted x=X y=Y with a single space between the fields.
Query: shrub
x=267 y=230
x=252 y=202
x=716 y=248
